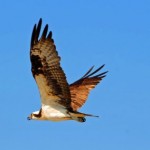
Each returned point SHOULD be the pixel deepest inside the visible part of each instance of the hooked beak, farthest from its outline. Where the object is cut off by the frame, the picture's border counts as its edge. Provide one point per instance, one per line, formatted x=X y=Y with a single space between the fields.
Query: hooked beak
x=29 y=118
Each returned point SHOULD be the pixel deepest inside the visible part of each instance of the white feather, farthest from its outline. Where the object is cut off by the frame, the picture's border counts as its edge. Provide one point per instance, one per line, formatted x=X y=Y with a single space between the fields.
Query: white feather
x=54 y=112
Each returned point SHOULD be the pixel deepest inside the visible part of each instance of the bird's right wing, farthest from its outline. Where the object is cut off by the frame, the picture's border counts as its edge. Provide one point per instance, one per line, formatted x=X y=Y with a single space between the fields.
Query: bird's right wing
x=46 y=69
x=80 y=89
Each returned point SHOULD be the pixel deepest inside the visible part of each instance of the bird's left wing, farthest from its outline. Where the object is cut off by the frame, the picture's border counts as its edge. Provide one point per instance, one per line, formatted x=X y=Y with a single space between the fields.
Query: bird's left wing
x=80 y=89
x=46 y=69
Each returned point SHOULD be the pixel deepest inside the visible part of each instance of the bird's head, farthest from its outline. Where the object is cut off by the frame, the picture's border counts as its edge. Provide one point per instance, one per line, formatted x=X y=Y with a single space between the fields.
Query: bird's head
x=34 y=116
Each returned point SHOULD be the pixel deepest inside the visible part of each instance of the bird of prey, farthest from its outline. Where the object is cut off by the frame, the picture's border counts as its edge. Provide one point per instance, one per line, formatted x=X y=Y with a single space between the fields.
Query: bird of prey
x=59 y=100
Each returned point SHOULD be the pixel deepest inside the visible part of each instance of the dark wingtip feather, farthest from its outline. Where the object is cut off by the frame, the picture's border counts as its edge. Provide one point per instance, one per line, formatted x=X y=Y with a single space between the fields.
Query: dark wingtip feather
x=88 y=72
x=49 y=35
x=33 y=35
x=38 y=29
x=95 y=71
x=40 y=20
x=36 y=32
x=101 y=75
x=45 y=31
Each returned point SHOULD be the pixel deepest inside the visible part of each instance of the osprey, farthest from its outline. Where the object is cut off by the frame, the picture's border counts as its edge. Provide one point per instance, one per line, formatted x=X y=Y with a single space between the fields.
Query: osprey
x=59 y=100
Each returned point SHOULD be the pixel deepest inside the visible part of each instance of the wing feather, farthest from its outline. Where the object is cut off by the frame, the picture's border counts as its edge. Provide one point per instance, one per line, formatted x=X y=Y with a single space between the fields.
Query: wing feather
x=80 y=89
x=46 y=69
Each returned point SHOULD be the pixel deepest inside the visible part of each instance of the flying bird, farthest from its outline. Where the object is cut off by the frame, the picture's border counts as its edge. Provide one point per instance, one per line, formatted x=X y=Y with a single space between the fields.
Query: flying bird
x=59 y=100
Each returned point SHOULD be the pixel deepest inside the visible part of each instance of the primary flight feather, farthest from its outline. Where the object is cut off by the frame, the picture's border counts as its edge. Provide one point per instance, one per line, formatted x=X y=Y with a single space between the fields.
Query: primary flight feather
x=59 y=100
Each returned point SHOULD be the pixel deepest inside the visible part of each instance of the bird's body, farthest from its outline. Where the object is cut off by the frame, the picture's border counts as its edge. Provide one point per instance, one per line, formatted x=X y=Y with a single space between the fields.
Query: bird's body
x=60 y=101
x=53 y=113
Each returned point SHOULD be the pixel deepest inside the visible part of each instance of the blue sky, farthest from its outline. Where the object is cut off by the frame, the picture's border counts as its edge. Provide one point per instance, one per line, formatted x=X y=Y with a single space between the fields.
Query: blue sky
x=86 y=33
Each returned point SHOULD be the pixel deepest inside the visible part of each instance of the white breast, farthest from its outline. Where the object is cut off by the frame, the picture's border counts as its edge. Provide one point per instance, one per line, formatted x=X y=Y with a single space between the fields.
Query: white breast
x=54 y=113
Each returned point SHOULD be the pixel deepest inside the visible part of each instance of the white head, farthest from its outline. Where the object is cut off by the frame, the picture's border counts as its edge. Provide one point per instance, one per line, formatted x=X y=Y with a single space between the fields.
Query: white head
x=35 y=115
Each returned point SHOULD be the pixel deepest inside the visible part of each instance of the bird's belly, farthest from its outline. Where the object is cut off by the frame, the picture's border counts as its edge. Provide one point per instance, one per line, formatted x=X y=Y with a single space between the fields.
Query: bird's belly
x=55 y=113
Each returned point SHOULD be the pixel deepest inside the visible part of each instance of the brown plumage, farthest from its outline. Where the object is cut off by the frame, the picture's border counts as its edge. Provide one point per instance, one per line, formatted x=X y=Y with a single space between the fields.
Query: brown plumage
x=60 y=101
x=80 y=89
x=46 y=62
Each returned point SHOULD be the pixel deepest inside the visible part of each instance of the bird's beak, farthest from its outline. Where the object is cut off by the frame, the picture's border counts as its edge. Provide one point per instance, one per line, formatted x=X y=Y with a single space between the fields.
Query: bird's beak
x=29 y=118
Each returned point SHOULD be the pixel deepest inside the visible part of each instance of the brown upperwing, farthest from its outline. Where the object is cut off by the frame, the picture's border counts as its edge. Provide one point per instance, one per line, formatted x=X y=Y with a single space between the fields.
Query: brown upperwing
x=80 y=89
x=46 y=69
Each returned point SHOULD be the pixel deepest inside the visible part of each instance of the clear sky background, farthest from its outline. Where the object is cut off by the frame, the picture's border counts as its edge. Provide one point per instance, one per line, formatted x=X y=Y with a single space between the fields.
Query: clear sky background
x=86 y=33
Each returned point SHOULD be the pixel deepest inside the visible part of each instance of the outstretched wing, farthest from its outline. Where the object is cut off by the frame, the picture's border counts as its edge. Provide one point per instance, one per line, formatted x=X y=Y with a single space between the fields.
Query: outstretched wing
x=46 y=68
x=80 y=89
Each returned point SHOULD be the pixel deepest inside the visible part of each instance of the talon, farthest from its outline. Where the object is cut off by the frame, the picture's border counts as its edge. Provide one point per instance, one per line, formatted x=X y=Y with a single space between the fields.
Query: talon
x=81 y=119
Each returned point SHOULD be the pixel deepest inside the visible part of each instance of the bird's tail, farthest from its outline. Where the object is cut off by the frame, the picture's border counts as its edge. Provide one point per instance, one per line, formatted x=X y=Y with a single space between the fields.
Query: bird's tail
x=80 y=117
